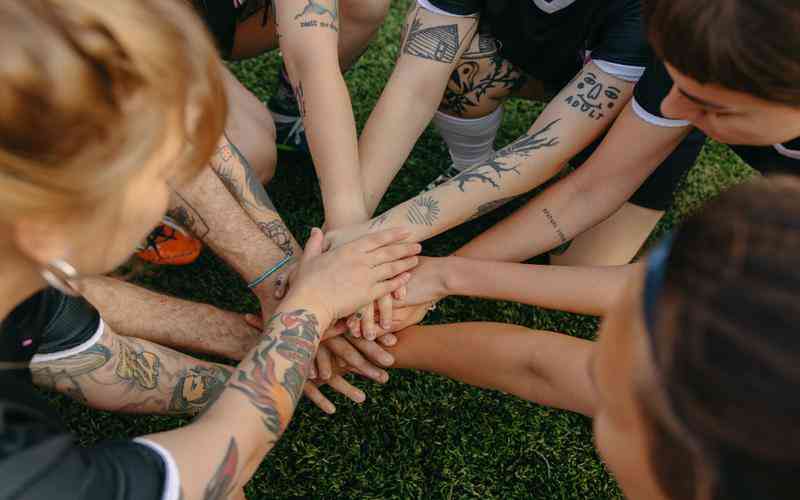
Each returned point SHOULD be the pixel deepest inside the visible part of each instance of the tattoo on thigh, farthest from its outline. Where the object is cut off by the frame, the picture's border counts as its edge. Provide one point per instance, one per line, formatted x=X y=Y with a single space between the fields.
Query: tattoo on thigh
x=197 y=388
x=222 y=482
x=592 y=97
x=491 y=206
x=552 y=220
x=423 y=211
x=467 y=87
x=435 y=43
x=507 y=159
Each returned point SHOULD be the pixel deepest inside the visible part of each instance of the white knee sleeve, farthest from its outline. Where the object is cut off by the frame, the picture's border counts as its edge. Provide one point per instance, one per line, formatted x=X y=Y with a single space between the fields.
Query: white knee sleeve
x=471 y=140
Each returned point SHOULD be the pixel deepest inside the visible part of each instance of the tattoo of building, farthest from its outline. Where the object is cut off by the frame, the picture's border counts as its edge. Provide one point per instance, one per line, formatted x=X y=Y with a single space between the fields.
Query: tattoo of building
x=423 y=211
x=437 y=43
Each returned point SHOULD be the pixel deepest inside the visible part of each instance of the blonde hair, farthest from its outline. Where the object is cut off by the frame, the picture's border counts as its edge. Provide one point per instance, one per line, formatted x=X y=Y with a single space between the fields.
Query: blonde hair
x=91 y=91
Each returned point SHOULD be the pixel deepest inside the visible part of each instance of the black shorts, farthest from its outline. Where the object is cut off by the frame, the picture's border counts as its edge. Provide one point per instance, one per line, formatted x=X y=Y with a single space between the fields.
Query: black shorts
x=221 y=17
x=549 y=40
x=658 y=191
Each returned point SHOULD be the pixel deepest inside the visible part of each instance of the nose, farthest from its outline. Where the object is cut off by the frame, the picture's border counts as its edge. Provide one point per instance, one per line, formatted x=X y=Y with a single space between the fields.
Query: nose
x=595 y=92
x=677 y=107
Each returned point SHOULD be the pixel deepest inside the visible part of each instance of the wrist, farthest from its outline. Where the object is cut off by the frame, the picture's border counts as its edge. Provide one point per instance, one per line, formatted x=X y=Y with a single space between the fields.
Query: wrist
x=450 y=275
x=301 y=299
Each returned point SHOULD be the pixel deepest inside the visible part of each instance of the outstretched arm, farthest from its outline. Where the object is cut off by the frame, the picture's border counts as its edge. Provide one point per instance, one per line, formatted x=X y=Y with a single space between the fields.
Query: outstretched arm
x=309 y=39
x=544 y=367
x=581 y=290
x=631 y=151
x=575 y=117
x=430 y=48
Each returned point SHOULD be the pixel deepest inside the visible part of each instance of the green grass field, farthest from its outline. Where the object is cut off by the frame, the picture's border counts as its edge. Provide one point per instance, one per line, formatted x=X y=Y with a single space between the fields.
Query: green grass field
x=420 y=435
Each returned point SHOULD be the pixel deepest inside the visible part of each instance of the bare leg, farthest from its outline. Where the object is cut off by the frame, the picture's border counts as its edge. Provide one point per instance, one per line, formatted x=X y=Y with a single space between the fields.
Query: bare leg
x=613 y=242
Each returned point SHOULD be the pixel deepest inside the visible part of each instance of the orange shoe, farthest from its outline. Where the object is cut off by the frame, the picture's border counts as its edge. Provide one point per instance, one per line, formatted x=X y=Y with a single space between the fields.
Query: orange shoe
x=169 y=244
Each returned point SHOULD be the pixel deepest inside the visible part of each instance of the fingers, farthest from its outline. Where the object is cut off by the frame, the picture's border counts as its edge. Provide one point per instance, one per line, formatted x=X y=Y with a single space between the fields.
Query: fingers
x=387 y=340
x=385 y=310
x=374 y=352
x=348 y=390
x=400 y=293
x=387 y=287
x=254 y=321
x=368 y=323
x=392 y=269
x=382 y=238
x=354 y=323
x=314 y=245
x=345 y=351
x=324 y=363
x=339 y=328
x=392 y=253
x=313 y=393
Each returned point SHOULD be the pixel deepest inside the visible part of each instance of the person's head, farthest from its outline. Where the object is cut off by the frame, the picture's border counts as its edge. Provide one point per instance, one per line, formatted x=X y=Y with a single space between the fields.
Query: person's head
x=735 y=65
x=101 y=105
x=698 y=367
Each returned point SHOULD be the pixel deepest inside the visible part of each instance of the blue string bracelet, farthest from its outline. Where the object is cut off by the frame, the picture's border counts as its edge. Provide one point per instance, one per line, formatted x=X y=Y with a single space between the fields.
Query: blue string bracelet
x=269 y=272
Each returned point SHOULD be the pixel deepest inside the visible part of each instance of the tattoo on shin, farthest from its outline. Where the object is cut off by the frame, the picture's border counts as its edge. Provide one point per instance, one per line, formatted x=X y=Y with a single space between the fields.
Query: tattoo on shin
x=423 y=210
x=138 y=366
x=593 y=97
x=221 y=484
x=552 y=220
x=197 y=388
x=507 y=159
x=491 y=206
x=435 y=43
x=290 y=336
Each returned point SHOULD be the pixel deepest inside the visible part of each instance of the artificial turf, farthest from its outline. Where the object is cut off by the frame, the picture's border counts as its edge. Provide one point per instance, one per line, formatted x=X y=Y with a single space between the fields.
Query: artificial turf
x=420 y=435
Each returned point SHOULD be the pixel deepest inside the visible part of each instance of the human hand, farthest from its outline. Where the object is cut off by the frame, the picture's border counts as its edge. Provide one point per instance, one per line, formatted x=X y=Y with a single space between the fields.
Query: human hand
x=342 y=357
x=342 y=280
x=427 y=284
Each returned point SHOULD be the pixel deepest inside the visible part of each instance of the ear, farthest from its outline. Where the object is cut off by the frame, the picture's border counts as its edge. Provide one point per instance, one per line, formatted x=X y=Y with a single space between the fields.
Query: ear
x=39 y=240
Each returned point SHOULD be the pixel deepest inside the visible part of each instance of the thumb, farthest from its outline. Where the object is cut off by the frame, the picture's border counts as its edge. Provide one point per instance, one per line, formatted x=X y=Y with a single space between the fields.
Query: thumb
x=314 y=245
x=254 y=321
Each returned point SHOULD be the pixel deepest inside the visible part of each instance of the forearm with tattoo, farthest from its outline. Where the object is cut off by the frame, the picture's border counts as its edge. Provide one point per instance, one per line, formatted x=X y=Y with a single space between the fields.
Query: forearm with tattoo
x=272 y=377
x=134 y=376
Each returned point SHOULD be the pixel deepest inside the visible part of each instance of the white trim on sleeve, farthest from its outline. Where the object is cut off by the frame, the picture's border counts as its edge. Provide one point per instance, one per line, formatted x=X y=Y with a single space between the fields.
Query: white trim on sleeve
x=621 y=71
x=172 y=479
x=427 y=5
x=45 y=358
x=789 y=153
x=658 y=121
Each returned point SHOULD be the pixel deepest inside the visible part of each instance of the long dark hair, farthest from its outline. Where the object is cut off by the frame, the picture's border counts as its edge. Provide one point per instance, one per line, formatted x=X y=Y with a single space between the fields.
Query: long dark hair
x=727 y=349
x=749 y=46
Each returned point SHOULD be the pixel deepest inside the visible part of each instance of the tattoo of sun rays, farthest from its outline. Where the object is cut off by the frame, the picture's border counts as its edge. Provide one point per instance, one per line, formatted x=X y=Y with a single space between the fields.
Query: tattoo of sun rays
x=424 y=210
x=522 y=147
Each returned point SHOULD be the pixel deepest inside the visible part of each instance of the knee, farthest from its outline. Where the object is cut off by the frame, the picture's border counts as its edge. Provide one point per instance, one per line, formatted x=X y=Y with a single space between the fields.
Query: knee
x=365 y=13
x=253 y=132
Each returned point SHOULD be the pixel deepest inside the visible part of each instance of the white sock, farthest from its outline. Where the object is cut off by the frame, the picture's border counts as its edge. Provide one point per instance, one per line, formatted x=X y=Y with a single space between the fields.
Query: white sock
x=471 y=140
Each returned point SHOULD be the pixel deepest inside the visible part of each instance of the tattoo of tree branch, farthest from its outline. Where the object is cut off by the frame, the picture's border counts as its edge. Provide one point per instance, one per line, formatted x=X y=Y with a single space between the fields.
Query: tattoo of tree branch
x=301 y=101
x=221 y=484
x=423 y=210
x=521 y=148
x=296 y=342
